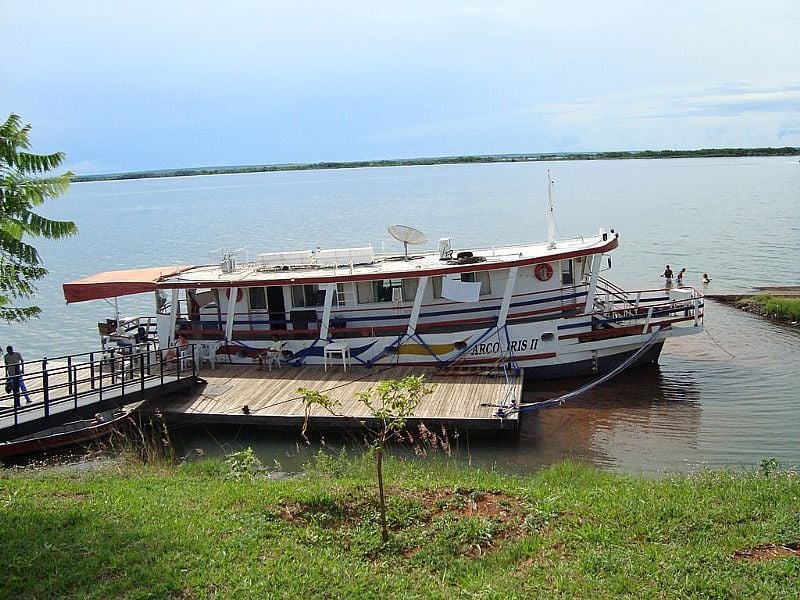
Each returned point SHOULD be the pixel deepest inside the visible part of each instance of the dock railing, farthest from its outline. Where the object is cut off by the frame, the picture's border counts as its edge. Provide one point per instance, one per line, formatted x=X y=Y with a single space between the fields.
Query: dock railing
x=67 y=383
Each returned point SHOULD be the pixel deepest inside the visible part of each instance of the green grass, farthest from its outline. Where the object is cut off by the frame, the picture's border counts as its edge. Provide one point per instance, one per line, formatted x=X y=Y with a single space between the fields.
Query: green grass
x=225 y=530
x=781 y=308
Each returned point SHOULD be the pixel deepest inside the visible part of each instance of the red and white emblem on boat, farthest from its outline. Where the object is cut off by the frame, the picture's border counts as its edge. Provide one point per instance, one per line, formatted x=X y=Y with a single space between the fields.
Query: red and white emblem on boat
x=543 y=271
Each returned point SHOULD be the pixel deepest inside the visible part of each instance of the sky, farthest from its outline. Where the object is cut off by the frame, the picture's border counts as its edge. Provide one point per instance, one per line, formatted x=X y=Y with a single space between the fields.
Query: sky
x=133 y=86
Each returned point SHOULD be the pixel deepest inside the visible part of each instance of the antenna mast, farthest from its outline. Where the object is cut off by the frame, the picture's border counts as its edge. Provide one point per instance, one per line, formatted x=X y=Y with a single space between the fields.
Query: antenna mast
x=551 y=219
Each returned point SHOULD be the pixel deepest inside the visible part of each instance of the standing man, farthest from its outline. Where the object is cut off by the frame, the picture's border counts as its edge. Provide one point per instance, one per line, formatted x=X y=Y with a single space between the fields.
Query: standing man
x=667 y=276
x=14 y=370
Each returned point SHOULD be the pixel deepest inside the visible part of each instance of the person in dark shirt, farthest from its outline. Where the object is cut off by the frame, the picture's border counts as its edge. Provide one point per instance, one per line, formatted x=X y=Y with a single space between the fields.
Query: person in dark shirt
x=14 y=371
x=667 y=275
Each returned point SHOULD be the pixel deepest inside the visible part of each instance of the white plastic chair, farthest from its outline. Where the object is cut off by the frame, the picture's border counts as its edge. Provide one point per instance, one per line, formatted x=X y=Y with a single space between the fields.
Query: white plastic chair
x=185 y=358
x=331 y=350
x=207 y=352
x=272 y=358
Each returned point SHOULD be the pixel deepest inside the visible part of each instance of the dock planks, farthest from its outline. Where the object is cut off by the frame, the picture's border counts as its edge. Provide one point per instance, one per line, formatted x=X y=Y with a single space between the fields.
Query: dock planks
x=463 y=402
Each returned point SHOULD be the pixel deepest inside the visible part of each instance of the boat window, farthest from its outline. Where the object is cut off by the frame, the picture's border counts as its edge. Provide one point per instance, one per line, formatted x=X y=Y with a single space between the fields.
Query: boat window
x=548 y=337
x=373 y=291
x=482 y=277
x=307 y=295
x=567 y=277
x=258 y=298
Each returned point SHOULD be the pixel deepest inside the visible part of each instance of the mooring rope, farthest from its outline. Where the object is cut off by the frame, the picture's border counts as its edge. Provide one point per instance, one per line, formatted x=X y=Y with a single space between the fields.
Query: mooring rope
x=503 y=412
x=705 y=328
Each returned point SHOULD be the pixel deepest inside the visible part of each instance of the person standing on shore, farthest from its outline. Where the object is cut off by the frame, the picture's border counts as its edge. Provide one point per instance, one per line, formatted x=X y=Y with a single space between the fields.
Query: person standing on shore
x=14 y=371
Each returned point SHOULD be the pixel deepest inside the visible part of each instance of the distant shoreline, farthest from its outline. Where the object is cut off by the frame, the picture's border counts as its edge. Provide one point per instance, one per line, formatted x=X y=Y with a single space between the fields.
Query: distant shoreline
x=444 y=160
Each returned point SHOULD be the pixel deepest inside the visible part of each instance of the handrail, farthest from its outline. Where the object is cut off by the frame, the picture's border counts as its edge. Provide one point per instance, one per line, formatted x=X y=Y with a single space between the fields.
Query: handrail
x=86 y=378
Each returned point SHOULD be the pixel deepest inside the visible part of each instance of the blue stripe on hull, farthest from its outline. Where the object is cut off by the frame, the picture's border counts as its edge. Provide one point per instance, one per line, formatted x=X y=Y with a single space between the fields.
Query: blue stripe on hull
x=587 y=367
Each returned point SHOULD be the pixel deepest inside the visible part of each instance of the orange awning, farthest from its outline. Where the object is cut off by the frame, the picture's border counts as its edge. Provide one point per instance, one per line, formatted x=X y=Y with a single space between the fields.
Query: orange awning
x=111 y=284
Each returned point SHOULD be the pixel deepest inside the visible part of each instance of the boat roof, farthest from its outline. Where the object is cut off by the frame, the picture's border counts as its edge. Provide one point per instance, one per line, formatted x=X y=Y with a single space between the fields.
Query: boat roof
x=110 y=284
x=329 y=266
x=361 y=264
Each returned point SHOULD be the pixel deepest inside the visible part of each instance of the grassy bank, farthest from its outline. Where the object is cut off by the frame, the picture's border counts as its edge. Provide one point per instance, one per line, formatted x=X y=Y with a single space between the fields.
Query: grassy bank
x=785 y=309
x=204 y=530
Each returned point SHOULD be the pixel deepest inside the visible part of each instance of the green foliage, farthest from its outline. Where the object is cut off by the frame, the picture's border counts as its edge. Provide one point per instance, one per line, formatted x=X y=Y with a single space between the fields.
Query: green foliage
x=781 y=308
x=393 y=401
x=313 y=398
x=769 y=466
x=244 y=464
x=25 y=183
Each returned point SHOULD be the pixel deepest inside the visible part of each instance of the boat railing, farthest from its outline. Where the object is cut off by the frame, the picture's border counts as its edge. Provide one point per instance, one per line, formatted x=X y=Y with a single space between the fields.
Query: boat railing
x=55 y=385
x=128 y=330
x=646 y=309
x=613 y=296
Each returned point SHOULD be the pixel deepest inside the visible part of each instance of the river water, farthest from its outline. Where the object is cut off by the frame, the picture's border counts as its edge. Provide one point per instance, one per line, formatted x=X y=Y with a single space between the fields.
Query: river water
x=726 y=398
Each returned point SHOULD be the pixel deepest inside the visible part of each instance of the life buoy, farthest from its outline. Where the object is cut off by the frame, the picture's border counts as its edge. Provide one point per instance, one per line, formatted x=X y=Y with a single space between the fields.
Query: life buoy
x=239 y=294
x=543 y=272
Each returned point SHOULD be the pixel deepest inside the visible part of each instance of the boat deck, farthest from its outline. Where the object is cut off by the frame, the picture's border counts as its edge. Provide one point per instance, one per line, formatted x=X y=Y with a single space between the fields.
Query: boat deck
x=241 y=394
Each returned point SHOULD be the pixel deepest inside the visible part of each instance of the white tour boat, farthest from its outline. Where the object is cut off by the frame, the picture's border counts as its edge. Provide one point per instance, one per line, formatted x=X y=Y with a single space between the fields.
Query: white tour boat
x=543 y=307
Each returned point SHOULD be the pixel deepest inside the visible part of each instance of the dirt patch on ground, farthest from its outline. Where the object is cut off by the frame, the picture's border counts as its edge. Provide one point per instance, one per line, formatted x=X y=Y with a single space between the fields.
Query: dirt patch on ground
x=468 y=503
x=767 y=552
x=502 y=515
x=497 y=506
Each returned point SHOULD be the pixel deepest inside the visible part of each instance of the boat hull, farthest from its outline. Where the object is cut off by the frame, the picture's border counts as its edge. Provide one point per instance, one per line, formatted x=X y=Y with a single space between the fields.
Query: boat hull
x=71 y=434
x=592 y=366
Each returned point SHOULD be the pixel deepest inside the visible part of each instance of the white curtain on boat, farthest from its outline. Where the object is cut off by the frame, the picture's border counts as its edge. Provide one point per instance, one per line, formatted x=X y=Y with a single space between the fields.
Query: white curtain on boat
x=461 y=291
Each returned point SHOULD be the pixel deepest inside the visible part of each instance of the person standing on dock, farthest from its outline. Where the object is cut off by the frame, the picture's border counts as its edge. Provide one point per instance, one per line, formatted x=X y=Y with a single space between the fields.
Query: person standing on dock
x=14 y=371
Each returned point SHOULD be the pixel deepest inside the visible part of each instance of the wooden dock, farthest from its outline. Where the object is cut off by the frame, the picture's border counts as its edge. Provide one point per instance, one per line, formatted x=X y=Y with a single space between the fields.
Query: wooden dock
x=238 y=394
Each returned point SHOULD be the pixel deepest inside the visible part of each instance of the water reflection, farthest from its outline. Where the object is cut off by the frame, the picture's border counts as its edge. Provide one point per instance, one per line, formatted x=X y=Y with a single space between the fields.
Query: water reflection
x=641 y=421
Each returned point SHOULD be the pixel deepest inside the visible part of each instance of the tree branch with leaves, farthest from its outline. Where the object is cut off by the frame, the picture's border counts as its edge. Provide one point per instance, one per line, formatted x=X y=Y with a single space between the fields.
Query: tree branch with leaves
x=392 y=402
x=25 y=183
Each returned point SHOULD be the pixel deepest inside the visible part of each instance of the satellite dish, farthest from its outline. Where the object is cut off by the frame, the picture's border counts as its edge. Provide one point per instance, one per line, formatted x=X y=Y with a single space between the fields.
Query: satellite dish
x=407 y=235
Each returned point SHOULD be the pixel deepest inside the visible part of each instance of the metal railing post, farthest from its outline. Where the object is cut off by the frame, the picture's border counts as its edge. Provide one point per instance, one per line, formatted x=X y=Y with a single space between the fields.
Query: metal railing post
x=46 y=387
x=70 y=380
x=100 y=390
x=91 y=370
x=142 y=358
x=74 y=374
x=122 y=375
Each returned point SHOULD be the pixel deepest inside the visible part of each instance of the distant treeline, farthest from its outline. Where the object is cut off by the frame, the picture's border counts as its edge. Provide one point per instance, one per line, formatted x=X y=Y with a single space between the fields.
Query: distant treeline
x=447 y=160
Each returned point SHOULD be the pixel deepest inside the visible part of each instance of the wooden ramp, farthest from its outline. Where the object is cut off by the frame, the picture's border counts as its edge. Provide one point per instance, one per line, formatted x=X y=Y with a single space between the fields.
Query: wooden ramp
x=236 y=394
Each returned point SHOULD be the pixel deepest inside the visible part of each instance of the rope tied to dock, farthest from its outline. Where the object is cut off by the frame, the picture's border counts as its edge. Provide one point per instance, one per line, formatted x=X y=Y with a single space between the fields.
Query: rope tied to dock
x=504 y=412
